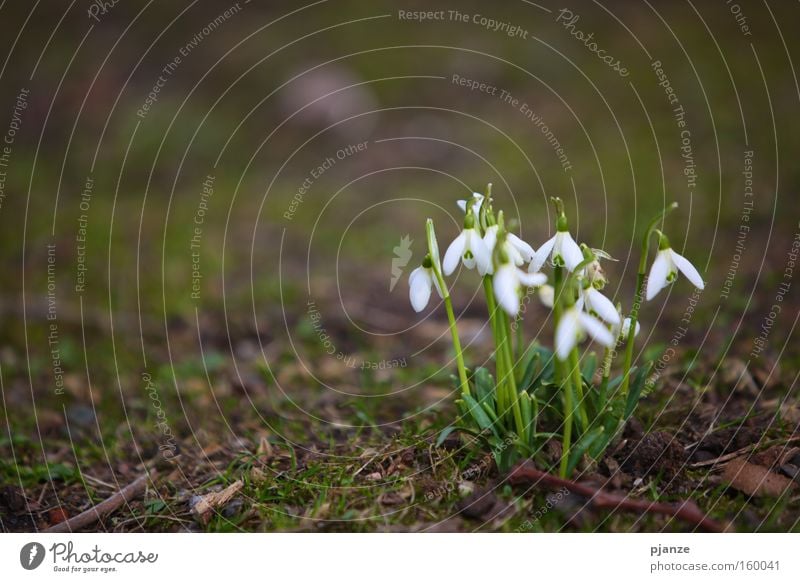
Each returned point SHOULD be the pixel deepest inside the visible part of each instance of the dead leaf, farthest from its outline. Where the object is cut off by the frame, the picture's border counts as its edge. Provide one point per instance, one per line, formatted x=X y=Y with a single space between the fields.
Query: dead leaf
x=755 y=479
x=265 y=452
x=205 y=505
x=57 y=515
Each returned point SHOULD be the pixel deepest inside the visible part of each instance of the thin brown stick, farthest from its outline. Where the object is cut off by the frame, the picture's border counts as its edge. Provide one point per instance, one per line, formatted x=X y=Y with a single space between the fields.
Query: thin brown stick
x=106 y=507
x=742 y=451
x=688 y=511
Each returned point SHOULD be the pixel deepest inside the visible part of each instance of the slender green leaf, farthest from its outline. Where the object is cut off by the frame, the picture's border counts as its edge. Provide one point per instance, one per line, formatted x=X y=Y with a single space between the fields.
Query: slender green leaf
x=589 y=368
x=636 y=390
x=478 y=414
x=484 y=384
x=582 y=446
x=444 y=434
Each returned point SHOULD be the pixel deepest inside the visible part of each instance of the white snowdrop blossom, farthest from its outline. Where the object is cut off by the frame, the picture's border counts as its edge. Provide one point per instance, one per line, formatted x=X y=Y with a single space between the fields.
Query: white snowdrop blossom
x=419 y=283
x=476 y=206
x=665 y=270
x=469 y=248
x=518 y=251
x=562 y=249
x=574 y=326
x=594 y=272
x=547 y=295
x=595 y=303
x=508 y=281
x=626 y=329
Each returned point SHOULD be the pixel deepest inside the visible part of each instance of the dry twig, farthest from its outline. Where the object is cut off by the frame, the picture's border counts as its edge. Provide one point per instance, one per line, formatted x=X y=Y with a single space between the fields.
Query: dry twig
x=106 y=507
x=688 y=511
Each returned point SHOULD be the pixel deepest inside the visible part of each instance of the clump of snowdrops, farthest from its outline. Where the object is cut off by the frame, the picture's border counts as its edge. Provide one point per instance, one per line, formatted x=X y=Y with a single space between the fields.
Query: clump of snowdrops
x=538 y=393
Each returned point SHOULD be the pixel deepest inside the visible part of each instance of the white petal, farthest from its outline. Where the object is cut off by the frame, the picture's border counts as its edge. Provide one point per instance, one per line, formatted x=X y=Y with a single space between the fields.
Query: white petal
x=626 y=328
x=531 y=279
x=506 y=288
x=659 y=272
x=570 y=251
x=595 y=328
x=547 y=295
x=483 y=259
x=567 y=333
x=490 y=237
x=524 y=249
x=513 y=254
x=476 y=206
x=419 y=288
x=687 y=269
x=541 y=255
x=601 y=254
x=454 y=253
x=436 y=285
x=602 y=306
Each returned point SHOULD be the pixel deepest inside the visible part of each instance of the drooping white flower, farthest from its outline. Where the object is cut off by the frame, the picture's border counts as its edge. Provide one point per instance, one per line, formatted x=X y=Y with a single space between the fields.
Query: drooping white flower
x=626 y=329
x=562 y=249
x=518 y=251
x=508 y=281
x=469 y=248
x=594 y=272
x=665 y=270
x=476 y=206
x=574 y=326
x=419 y=283
x=595 y=303
x=547 y=295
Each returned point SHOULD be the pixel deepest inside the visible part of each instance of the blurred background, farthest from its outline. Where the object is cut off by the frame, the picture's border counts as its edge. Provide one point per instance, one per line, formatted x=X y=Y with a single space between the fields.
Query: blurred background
x=228 y=197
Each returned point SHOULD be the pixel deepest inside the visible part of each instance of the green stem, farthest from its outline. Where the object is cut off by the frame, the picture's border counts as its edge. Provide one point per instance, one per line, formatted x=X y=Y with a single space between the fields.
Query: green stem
x=510 y=379
x=602 y=393
x=561 y=380
x=637 y=299
x=491 y=305
x=565 y=441
x=462 y=371
x=577 y=379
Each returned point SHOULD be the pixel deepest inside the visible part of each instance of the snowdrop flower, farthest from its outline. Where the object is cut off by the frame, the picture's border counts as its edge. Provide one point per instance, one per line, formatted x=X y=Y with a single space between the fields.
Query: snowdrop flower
x=562 y=249
x=469 y=248
x=593 y=272
x=421 y=278
x=476 y=205
x=626 y=329
x=518 y=251
x=419 y=282
x=665 y=269
x=597 y=304
x=547 y=295
x=508 y=280
x=574 y=326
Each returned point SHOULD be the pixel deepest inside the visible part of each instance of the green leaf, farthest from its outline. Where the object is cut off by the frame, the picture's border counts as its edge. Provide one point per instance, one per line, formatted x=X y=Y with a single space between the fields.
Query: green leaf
x=527 y=420
x=582 y=446
x=589 y=368
x=484 y=384
x=444 y=434
x=490 y=411
x=478 y=414
x=529 y=366
x=637 y=385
